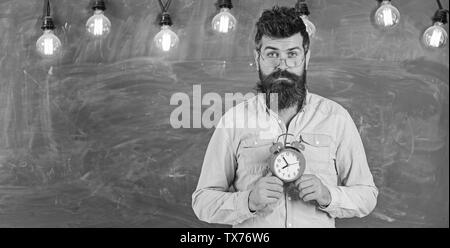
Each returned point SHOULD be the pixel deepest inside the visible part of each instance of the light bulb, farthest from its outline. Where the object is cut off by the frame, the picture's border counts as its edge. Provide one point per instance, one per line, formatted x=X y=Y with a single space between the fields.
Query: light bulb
x=435 y=36
x=224 y=22
x=387 y=16
x=166 y=39
x=98 y=25
x=48 y=45
x=310 y=27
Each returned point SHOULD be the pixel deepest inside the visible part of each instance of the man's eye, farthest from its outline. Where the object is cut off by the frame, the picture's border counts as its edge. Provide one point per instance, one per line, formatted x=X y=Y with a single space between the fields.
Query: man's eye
x=272 y=55
x=292 y=54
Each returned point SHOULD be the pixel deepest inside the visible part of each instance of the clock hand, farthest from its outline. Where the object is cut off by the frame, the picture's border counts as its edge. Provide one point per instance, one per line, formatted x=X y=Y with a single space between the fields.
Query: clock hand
x=288 y=165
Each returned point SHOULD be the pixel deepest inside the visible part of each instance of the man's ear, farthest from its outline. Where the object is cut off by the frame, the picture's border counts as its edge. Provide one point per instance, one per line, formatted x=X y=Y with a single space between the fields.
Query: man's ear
x=256 y=55
x=308 y=54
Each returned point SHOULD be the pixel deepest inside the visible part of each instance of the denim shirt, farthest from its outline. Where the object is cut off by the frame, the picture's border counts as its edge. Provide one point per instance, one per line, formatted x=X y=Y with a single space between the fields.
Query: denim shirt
x=238 y=155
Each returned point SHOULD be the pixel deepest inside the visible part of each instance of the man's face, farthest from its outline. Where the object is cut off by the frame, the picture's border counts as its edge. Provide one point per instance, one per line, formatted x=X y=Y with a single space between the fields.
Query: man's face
x=283 y=48
x=282 y=69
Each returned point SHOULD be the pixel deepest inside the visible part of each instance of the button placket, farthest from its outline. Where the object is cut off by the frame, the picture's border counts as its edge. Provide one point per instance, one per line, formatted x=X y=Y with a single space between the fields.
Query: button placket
x=288 y=207
x=281 y=125
x=293 y=125
x=278 y=120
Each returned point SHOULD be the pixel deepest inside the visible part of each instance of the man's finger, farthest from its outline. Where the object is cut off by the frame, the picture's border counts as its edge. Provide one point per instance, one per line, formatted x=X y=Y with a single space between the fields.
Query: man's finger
x=273 y=194
x=271 y=200
x=306 y=177
x=310 y=197
x=274 y=187
x=309 y=187
x=306 y=184
x=307 y=191
x=274 y=180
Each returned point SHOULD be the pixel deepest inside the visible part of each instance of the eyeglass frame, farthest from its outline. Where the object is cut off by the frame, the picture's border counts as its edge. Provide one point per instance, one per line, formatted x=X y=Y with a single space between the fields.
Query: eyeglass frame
x=279 y=59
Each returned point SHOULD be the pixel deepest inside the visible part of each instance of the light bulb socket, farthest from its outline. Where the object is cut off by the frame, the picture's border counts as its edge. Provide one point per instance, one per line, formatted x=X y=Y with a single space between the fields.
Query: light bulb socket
x=440 y=16
x=99 y=5
x=302 y=8
x=47 y=23
x=165 y=19
x=225 y=4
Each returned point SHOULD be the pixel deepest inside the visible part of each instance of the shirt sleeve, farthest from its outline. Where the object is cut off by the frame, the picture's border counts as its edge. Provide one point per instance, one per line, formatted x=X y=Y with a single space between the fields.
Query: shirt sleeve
x=212 y=201
x=356 y=196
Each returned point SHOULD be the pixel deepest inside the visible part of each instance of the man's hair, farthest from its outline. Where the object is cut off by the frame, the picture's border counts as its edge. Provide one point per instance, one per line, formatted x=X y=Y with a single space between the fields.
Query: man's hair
x=281 y=22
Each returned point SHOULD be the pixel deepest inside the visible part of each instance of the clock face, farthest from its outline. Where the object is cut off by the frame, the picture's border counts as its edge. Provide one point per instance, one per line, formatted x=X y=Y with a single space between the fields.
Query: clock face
x=288 y=165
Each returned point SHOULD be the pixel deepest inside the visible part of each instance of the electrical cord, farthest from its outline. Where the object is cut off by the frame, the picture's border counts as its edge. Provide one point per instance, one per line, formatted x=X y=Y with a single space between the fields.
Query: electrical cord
x=164 y=7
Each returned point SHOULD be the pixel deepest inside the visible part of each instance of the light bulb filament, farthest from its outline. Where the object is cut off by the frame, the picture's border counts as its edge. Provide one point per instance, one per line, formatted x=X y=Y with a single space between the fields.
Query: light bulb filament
x=224 y=22
x=166 y=42
x=98 y=26
x=435 y=38
x=387 y=16
x=48 y=46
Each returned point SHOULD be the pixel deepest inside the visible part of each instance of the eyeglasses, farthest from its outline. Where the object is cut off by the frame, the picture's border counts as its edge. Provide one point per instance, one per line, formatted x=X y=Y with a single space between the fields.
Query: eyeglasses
x=273 y=58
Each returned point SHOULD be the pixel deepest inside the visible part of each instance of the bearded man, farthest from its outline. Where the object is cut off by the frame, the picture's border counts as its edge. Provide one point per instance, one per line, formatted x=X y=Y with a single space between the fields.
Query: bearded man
x=235 y=185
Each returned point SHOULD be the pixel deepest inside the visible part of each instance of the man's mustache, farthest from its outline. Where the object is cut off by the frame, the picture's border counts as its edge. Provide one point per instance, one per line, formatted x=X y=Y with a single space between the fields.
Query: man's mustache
x=281 y=74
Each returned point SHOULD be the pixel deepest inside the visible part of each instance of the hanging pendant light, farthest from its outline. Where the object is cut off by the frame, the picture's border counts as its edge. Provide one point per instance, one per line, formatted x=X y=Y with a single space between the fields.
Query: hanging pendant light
x=224 y=22
x=48 y=45
x=303 y=10
x=98 y=25
x=436 y=36
x=387 y=15
x=166 y=39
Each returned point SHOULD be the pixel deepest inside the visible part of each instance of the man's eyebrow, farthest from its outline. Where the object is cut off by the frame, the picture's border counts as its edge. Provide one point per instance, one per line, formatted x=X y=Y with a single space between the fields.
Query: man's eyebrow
x=274 y=48
x=294 y=48
x=270 y=47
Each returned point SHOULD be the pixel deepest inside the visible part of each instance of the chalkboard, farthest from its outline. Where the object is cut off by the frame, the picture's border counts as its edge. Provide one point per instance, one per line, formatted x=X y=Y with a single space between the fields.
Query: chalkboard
x=85 y=141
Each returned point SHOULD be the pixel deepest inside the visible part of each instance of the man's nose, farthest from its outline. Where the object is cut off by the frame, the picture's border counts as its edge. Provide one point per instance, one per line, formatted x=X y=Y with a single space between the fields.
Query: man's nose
x=283 y=64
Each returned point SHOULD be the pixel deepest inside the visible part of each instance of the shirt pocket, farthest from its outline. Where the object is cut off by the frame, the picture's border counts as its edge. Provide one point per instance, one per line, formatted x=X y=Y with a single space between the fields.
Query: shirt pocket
x=254 y=155
x=318 y=154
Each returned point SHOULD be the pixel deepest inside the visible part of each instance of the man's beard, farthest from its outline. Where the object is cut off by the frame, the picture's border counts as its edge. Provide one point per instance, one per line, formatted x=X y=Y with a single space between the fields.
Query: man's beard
x=291 y=89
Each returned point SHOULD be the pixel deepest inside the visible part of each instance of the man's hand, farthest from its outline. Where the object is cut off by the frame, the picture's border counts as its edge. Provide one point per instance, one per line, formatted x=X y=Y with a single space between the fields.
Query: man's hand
x=312 y=188
x=268 y=189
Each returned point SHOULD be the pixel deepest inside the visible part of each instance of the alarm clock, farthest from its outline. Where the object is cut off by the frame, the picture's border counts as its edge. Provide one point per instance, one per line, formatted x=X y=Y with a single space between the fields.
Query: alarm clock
x=287 y=162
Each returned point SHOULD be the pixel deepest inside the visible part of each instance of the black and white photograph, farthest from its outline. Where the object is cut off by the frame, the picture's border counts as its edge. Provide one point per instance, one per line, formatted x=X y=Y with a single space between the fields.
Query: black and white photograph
x=223 y=114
